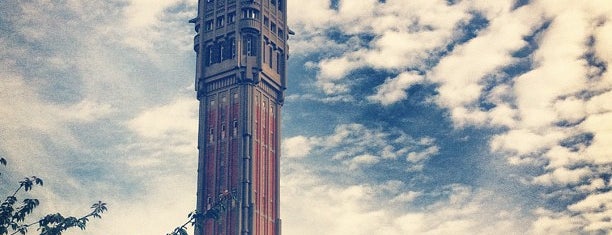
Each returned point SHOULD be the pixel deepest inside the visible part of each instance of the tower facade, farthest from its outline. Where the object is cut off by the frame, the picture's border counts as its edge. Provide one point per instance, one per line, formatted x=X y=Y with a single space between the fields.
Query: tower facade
x=240 y=78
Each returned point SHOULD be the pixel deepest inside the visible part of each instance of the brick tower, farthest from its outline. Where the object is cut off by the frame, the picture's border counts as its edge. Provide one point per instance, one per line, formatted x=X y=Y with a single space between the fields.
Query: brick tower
x=240 y=78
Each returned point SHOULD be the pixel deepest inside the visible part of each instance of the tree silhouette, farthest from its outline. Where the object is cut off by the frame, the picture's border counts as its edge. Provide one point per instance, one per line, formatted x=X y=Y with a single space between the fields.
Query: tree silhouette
x=13 y=215
x=214 y=212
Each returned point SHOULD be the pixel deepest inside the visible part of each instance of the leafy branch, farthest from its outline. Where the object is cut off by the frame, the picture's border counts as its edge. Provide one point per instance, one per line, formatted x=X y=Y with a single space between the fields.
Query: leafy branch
x=214 y=212
x=12 y=218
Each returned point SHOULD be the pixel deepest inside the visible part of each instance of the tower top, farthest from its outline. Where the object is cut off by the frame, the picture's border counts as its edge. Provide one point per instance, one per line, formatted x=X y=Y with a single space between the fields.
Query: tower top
x=250 y=35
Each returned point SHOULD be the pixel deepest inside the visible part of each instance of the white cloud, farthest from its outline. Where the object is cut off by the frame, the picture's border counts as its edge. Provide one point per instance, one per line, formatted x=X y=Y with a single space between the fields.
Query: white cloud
x=523 y=141
x=141 y=13
x=158 y=122
x=601 y=127
x=358 y=146
x=570 y=109
x=462 y=74
x=406 y=197
x=394 y=89
x=589 y=215
x=406 y=32
x=68 y=85
x=328 y=208
x=309 y=15
x=563 y=176
x=333 y=70
x=596 y=209
x=549 y=222
x=361 y=160
x=166 y=132
x=144 y=23
x=297 y=147
x=418 y=158
x=29 y=124
x=161 y=205
x=88 y=111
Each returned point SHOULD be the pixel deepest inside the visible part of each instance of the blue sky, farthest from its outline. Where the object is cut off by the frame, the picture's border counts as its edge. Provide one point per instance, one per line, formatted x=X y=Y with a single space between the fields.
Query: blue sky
x=401 y=117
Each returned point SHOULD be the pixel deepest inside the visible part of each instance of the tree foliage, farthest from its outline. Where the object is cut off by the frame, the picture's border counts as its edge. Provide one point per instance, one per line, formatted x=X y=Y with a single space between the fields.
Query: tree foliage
x=13 y=214
x=214 y=212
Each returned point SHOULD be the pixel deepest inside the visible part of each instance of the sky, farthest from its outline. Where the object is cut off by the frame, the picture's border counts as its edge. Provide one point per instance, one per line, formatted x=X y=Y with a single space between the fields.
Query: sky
x=401 y=116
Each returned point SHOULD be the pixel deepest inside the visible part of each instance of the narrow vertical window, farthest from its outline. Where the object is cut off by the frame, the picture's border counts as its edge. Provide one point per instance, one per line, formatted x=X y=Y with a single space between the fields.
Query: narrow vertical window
x=270 y=55
x=233 y=47
x=223 y=132
x=210 y=52
x=208 y=26
x=272 y=140
x=211 y=135
x=220 y=21
x=264 y=55
x=264 y=123
x=215 y=53
x=235 y=129
x=254 y=46
x=231 y=17
x=221 y=51
x=249 y=45
x=227 y=54
x=207 y=55
x=280 y=62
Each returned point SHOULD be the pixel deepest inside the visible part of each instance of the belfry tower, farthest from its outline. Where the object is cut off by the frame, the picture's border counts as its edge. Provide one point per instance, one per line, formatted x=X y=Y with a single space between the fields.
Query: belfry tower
x=241 y=48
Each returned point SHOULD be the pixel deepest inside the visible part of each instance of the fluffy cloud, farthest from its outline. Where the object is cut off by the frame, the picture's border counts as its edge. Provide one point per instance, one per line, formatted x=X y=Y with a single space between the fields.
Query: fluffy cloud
x=148 y=25
x=158 y=122
x=358 y=146
x=328 y=208
x=406 y=32
x=28 y=122
x=537 y=72
x=394 y=90
x=297 y=146
x=70 y=86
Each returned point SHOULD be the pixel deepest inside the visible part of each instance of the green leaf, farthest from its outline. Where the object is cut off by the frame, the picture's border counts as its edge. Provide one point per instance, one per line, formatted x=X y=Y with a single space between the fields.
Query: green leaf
x=37 y=180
